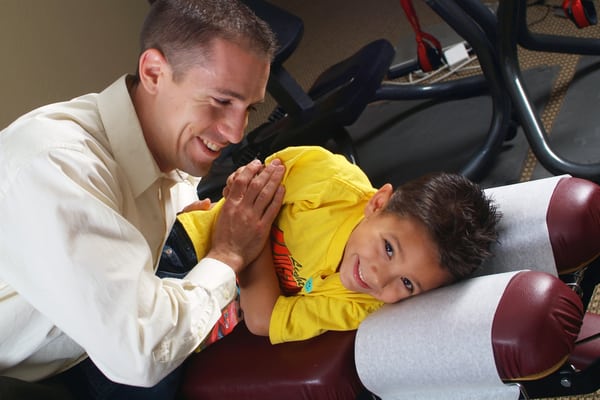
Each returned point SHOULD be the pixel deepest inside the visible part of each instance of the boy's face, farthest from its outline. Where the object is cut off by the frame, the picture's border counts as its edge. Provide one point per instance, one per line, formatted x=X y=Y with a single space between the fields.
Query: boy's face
x=390 y=257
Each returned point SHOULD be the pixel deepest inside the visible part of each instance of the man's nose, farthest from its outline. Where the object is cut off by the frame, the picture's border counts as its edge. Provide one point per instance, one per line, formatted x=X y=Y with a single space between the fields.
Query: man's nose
x=233 y=125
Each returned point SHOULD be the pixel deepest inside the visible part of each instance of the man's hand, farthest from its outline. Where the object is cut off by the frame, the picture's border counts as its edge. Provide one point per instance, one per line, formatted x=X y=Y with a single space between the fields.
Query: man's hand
x=198 y=205
x=254 y=196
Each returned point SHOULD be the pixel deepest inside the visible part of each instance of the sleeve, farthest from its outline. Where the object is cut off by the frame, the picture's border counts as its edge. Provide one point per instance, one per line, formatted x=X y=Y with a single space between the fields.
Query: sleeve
x=315 y=176
x=303 y=317
x=199 y=225
x=67 y=249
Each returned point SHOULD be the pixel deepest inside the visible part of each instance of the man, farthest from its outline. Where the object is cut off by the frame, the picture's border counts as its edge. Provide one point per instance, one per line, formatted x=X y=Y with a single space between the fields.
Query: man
x=91 y=187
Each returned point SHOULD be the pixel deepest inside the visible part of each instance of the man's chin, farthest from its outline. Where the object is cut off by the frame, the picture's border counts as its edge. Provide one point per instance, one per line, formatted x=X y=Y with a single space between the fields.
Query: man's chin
x=197 y=170
x=200 y=160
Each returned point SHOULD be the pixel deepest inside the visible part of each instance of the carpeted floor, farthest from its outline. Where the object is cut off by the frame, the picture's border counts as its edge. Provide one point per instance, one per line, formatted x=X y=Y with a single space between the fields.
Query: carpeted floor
x=407 y=138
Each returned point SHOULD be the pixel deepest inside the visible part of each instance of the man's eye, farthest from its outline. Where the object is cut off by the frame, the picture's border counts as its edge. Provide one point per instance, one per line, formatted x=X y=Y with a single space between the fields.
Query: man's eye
x=251 y=108
x=223 y=102
x=408 y=284
x=388 y=249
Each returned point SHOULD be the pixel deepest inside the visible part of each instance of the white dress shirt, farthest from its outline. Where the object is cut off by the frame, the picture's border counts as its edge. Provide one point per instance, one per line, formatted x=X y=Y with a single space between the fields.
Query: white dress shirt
x=84 y=212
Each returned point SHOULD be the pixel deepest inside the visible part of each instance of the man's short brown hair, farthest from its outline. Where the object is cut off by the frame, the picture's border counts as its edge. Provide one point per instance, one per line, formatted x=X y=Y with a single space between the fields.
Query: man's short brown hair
x=182 y=28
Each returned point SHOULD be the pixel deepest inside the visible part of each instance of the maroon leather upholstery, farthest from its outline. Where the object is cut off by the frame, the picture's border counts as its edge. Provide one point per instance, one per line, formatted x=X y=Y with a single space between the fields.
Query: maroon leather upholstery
x=587 y=348
x=535 y=325
x=245 y=367
x=573 y=220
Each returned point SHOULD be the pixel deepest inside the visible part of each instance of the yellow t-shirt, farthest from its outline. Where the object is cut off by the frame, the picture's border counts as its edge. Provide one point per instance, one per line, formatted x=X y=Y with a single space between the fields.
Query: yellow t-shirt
x=324 y=200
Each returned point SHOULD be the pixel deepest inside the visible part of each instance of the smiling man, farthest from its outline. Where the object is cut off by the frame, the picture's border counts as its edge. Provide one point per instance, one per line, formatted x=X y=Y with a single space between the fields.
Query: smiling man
x=91 y=187
x=204 y=110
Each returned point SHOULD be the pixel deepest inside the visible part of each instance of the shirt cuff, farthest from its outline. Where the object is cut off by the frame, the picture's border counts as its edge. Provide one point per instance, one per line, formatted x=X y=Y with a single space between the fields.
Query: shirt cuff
x=216 y=277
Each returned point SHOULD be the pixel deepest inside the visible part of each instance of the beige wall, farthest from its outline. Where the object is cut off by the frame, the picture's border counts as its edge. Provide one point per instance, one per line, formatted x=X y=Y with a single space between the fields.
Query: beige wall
x=53 y=50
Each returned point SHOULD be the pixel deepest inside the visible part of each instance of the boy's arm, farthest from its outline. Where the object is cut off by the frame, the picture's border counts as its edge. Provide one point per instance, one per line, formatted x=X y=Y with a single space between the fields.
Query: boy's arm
x=259 y=290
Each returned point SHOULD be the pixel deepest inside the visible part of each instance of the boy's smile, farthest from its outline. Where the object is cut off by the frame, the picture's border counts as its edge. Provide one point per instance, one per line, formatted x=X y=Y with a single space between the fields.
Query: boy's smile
x=359 y=276
x=390 y=257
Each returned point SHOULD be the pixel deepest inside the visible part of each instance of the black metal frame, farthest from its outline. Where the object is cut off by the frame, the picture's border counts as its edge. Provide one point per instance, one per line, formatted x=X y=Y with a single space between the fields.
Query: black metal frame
x=511 y=14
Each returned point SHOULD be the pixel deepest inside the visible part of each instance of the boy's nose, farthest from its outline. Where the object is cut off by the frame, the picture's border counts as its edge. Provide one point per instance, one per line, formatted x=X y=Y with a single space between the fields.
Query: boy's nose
x=380 y=277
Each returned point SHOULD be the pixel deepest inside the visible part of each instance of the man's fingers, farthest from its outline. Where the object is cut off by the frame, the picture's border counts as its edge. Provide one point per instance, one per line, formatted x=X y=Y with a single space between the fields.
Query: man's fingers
x=237 y=183
x=203 y=204
x=273 y=207
x=254 y=198
x=263 y=187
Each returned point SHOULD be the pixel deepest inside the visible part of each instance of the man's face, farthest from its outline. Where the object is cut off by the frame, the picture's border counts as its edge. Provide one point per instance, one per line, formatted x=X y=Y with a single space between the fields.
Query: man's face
x=206 y=109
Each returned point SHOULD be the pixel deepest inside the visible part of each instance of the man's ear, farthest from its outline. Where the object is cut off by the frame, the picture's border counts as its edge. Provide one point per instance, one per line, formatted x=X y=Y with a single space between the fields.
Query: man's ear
x=152 y=65
x=379 y=199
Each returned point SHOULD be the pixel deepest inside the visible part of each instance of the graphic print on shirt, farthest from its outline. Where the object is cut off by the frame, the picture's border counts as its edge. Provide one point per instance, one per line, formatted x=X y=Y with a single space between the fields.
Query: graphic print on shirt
x=286 y=266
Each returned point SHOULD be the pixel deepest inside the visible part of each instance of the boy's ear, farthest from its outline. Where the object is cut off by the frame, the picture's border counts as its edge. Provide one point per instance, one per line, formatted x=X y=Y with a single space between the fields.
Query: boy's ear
x=152 y=65
x=379 y=199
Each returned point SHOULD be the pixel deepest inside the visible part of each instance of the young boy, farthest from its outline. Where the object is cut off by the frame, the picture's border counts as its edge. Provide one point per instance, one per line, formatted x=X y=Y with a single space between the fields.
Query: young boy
x=339 y=248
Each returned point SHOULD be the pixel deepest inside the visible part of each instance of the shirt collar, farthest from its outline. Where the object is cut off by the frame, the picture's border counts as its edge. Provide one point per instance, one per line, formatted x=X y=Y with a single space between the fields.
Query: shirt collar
x=125 y=135
x=127 y=140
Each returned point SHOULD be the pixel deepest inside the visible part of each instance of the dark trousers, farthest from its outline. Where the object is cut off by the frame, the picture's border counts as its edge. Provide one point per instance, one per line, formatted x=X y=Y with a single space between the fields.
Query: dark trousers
x=86 y=382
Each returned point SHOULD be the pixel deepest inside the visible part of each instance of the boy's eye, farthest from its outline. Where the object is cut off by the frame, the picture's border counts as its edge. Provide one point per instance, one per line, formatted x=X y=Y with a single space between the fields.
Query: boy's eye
x=388 y=249
x=408 y=284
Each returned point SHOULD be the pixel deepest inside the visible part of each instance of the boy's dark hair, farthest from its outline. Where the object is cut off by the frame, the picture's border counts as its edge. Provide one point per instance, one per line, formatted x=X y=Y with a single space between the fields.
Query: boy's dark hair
x=175 y=27
x=458 y=215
